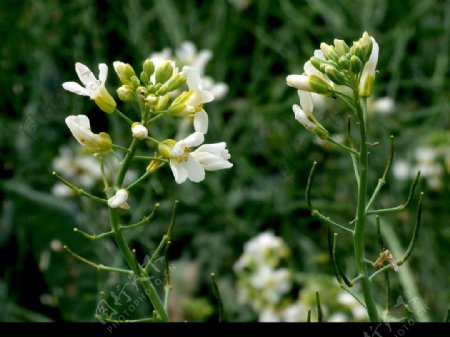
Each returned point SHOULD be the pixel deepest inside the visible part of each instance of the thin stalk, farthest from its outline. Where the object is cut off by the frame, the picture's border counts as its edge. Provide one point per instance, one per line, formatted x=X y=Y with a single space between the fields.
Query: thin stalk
x=150 y=290
x=126 y=163
x=358 y=238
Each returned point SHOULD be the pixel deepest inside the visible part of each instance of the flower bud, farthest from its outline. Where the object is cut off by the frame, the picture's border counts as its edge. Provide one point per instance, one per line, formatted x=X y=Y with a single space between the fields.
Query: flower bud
x=341 y=47
x=164 y=72
x=124 y=71
x=329 y=52
x=125 y=93
x=319 y=86
x=139 y=131
x=134 y=82
x=355 y=64
x=149 y=67
x=316 y=62
x=166 y=146
x=176 y=81
x=344 y=62
x=163 y=102
x=301 y=82
x=179 y=105
x=145 y=78
x=335 y=75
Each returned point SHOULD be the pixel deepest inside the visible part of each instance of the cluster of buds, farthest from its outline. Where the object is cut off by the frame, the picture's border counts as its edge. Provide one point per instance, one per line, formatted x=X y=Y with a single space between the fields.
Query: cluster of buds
x=338 y=71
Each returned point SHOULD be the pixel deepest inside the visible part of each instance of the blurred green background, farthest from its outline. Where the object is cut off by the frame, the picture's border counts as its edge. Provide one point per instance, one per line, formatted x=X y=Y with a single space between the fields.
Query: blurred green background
x=255 y=46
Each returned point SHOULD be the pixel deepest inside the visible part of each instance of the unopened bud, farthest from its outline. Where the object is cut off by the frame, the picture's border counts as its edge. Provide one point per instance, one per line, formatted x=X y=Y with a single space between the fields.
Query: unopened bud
x=355 y=64
x=329 y=52
x=149 y=67
x=145 y=77
x=125 y=93
x=319 y=86
x=166 y=146
x=341 y=47
x=164 y=72
x=344 y=62
x=139 y=131
x=176 y=81
x=124 y=71
x=335 y=75
x=163 y=102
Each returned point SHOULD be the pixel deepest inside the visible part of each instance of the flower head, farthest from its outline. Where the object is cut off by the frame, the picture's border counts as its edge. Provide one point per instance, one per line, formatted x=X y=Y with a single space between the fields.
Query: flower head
x=119 y=200
x=93 y=87
x=81 y=129
x=186 y=164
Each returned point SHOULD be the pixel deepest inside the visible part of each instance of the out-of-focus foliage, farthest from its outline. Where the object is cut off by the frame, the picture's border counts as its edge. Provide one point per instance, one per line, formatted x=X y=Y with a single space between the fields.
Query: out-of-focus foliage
x=255 y=47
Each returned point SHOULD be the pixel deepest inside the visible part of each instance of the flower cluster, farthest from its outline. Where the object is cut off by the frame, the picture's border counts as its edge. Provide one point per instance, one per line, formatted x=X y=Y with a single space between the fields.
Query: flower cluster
x=427 y=160
x=337 y=71
x=265 y=285
x=261 y=282
x=159 y=90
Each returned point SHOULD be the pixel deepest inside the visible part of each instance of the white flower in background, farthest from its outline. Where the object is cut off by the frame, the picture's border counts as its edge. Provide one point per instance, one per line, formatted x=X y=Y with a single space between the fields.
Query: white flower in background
x=368 y=74
x=139 y=131
x=93 y=87
x=383 y=106
x=265 y=248
x=240 y=4
x=296 y=312
x=192 y=165
x=269 y=316
x=188 y=55
x=80 y=128
x=337 y=317
x=402 y=169
x=428 y=164
x=347 y=300
x=77 y=166
x=119 y=200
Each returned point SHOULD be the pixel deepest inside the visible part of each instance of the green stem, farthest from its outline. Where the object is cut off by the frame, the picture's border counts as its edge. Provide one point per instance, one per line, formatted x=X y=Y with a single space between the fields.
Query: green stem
x=150 y=290
x=126 y=163
x=360 y=224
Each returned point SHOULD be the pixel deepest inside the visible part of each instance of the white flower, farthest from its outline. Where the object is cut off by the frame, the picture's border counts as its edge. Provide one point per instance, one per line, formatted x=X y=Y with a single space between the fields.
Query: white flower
x=80 y=128
x=119 y=200
x=337 y=317
x=305 y=116
x=402 y=170
x=368 y=73
x=188 y=54
x=62 y=191
x=296 y=312
x=269 y=315
x=139 y=131
x=213 y=157
x=93 y=87
x=192 y=165
x=199 y=94
x=383 y=105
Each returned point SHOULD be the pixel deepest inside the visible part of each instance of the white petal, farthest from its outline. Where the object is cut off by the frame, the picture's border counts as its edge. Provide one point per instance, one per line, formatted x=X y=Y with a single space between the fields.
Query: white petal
x=195 y=170
x=301 y=117
x=306 y=101
x=179 y=172
x=103 y=74
x=193 y=80
x=319 y=54
x=75 y=88
x=300 y=82
x=201 y=122
x=84 y=74
x=211 y=162
x=119 y=199
x=213 y=148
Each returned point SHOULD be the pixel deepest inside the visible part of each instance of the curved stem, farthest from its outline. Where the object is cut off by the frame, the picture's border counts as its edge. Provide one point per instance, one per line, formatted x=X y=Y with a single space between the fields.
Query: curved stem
x=360 y=224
